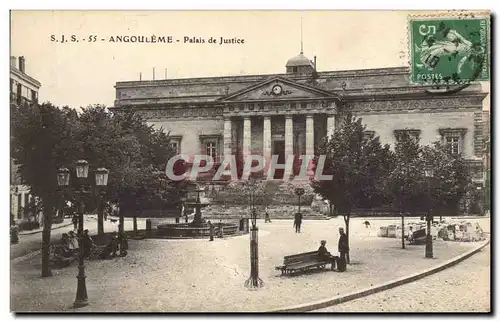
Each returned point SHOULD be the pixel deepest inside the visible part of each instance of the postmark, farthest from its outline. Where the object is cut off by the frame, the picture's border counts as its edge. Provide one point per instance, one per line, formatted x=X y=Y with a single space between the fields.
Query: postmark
x=449 y=50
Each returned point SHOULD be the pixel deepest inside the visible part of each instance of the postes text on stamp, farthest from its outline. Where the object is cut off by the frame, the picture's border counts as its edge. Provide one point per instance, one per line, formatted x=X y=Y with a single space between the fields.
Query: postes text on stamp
x=449 y=50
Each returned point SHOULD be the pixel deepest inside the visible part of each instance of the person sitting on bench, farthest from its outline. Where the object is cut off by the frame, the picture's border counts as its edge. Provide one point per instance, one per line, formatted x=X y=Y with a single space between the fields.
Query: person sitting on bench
x=324 y=254
x=322 y=251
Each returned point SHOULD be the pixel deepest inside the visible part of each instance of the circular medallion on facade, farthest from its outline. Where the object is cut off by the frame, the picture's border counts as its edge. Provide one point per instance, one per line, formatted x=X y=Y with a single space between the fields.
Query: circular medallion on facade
x=277 y=89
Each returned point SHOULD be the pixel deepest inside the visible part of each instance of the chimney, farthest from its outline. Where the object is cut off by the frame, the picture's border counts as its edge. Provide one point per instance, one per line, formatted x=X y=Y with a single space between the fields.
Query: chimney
x=314 y=62
x=21 y=64
x=13 y=60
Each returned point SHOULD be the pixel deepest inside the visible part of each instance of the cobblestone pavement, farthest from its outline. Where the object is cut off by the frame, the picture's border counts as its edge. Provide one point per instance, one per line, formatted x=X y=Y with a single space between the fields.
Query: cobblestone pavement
x=200 y=276
x=31 y=243
x=461 y=288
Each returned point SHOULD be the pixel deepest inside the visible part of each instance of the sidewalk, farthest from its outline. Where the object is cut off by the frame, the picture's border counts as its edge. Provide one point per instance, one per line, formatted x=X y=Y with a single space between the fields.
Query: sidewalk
x=66 y=222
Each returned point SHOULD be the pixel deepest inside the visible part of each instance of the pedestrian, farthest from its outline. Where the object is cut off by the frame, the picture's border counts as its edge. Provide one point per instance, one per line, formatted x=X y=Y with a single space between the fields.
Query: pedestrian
x=211 y=230
x=75 y=222
x=343 y=246
x=14 y=234
x=410 y=234
x=221 y=229
x=87 y=243
x=267 y=218
x=73 y=241
x=297 y=222
x=122 y=241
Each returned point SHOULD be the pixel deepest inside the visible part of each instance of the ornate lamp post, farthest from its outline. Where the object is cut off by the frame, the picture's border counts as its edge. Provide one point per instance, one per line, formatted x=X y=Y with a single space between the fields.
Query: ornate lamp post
x=254 y=281
x=429 y=174
x=101 y=180
x=299 y=192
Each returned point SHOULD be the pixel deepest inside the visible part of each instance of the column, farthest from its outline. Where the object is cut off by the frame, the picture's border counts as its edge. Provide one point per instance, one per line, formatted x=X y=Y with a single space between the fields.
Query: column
x=330 y=125
x=310 y=135
x=227 y=139
x=266 y=146
x=23 y=199
x=247 y=136
x=288 y=135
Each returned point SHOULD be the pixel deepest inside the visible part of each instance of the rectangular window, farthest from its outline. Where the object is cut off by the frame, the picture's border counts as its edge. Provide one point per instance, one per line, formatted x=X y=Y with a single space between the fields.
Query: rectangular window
x=18 y=92
x=175 y=146
x=211 y=149
x=34 y=95
x=454 y=143
x=11 y=85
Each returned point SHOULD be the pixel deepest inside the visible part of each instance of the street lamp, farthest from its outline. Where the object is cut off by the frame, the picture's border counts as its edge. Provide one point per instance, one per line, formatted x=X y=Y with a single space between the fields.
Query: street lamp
x=299 y=192
x=254 y=280
x=101 y=180
x=429 y=174
x=402 y=196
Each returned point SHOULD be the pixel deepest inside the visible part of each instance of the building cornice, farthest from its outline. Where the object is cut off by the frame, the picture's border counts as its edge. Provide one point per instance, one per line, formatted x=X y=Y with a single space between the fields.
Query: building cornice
x=262 y=77
x=25 y=77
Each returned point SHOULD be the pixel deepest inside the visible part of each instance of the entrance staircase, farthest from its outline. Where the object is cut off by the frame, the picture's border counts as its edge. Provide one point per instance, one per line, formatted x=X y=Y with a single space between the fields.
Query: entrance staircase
x=232 y=201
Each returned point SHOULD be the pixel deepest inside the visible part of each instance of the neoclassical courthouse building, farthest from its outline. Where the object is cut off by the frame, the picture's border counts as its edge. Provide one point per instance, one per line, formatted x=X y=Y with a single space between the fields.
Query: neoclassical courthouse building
x=289 y=113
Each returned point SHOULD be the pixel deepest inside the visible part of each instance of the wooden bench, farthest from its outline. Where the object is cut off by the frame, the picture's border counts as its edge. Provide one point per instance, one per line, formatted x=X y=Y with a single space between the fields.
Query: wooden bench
x=303 y=262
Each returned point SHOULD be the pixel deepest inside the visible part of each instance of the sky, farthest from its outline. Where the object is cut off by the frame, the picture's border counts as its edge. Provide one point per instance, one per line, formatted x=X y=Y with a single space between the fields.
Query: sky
x=81 y=73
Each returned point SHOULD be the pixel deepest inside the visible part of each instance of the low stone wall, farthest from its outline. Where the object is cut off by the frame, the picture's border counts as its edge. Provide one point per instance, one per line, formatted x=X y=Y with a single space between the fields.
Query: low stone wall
x=270 y=193
x=184 y=230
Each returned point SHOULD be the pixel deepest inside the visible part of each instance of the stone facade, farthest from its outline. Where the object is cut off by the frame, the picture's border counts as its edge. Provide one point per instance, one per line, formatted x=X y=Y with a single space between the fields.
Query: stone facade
x=290 y=113
x=23 y=90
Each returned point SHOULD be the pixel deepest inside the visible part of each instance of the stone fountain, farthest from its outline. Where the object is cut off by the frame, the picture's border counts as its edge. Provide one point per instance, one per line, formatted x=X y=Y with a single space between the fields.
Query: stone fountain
x=196 y=228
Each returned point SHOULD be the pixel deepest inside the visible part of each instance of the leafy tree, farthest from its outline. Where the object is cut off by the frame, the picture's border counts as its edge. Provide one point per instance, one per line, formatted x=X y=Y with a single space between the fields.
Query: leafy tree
x=404 y=183
x=357 y=164
x=41 y=141
x=450 y=182
x=45 y=138
x=132 y=151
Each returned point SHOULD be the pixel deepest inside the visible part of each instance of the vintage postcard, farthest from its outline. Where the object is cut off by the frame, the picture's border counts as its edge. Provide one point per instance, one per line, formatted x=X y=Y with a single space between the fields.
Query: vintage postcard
x=250 y=161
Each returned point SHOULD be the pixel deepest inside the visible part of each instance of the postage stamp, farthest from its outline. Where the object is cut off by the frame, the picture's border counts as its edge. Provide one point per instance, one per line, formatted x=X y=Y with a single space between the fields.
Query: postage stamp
x=449 y=50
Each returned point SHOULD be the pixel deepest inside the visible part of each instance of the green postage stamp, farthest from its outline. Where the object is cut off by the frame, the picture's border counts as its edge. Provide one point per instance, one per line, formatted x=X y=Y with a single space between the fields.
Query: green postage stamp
x=449 y=50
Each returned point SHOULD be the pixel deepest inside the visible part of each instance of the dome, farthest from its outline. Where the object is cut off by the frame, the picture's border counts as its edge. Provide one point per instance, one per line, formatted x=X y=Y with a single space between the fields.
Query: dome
x=299 y=60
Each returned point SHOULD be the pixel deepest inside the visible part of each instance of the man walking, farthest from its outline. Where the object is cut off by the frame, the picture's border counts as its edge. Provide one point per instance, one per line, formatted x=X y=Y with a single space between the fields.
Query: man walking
x=211 y=230
x=221 y=229
x=297 y=222
x=267 y=217
x=75 y=221
x=343 y=246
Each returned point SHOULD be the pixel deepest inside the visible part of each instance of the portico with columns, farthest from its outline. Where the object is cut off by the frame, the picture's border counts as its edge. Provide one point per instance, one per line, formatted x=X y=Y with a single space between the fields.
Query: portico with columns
x=277 y=117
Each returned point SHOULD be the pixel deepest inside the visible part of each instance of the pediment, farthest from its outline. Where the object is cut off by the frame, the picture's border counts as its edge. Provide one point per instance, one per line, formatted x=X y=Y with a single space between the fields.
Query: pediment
x=278 y=89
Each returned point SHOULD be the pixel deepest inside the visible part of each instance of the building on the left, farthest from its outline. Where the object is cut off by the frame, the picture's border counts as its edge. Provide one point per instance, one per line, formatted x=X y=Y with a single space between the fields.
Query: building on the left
x=23 y=90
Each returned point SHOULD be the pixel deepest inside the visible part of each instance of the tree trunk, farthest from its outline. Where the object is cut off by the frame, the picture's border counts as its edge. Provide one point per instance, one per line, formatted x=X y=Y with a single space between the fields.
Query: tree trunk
x=402 y=230
x=100 y=219
x=346 y=220
x=135 y=225
x=121 y=228
x=47 y=225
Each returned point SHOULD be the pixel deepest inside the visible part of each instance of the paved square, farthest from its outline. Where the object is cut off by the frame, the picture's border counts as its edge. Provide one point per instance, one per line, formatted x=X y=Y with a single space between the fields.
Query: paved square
x=198 y=275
